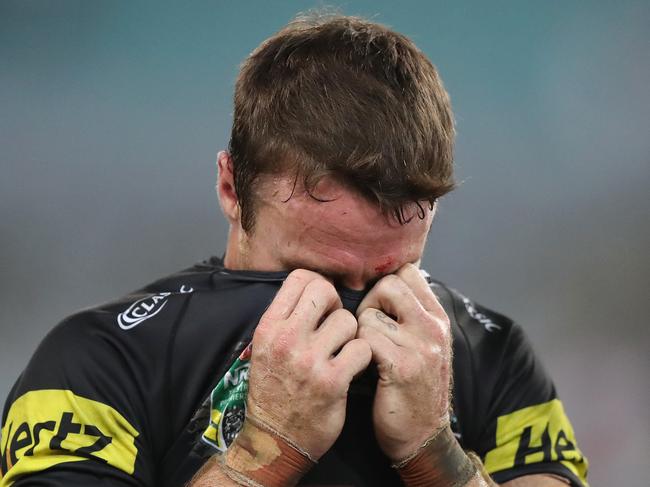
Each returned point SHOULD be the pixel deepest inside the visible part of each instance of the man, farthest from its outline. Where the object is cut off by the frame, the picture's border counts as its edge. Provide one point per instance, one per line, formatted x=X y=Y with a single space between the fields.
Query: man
x=316 y=352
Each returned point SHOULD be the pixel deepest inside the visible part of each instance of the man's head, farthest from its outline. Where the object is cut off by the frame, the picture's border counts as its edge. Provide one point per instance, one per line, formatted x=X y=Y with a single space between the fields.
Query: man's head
x=336 y=107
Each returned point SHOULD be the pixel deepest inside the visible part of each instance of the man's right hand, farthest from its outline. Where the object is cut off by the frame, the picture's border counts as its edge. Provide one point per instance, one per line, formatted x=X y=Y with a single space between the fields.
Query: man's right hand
x=304 y=358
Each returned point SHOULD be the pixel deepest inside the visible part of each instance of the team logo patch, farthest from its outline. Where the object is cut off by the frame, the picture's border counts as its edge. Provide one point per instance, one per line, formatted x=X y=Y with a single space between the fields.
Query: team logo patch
x=228 y=404
x=536 y=434
x=47 y=427
x=146 y=308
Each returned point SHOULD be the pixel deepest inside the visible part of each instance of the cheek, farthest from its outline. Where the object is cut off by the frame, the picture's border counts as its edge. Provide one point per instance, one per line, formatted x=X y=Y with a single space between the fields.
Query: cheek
x=406 y=245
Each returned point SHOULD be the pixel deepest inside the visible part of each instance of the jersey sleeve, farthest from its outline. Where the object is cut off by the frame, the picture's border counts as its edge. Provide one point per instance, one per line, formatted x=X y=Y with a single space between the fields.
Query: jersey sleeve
x=527 y=430
x=76 y=416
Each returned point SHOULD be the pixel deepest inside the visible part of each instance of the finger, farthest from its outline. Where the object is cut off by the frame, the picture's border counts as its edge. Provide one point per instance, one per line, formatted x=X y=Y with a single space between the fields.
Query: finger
x=338 y=328
x=354 y=357
x=385 y=352
x=414 y=279
x=289 y=294
x=384 y=324
x=318 y=299
x=394 y=297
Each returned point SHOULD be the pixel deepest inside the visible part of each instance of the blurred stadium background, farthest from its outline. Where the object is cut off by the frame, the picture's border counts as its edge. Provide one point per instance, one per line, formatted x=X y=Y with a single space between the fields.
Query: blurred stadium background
x=112 y=112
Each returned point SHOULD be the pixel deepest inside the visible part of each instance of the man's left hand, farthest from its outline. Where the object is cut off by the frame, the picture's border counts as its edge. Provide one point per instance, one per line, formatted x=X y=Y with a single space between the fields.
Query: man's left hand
x=410 y=337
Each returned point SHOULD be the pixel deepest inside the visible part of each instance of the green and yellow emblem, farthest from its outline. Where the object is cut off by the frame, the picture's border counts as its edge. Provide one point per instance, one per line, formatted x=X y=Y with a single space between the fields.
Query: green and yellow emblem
x=228 y=404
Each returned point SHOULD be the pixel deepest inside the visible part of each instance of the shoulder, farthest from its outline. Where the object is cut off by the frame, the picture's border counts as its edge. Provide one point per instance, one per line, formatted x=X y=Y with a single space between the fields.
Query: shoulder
x=480 y=328
x=503 y=358
x=95 y=388
x=143 y=316
x=513 y=417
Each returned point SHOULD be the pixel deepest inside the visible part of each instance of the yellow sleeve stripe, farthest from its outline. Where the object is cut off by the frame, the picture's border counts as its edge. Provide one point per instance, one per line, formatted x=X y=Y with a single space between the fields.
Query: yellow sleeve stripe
x=48 y=427
x=540 y=433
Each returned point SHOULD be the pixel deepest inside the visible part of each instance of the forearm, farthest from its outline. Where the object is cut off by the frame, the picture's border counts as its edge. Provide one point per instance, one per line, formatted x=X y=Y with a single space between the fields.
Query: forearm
x=479 y=481
x=211 y=475
x=257 y=457
x=441 y=461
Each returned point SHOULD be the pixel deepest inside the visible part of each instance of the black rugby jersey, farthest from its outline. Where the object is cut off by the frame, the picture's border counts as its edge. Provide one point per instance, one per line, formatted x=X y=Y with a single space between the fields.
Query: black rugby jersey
x=119 y=395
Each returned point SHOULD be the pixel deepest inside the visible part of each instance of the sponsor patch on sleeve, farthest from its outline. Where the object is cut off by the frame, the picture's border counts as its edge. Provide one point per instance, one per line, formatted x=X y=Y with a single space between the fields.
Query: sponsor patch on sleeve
x=536 y=434
x=47 y=427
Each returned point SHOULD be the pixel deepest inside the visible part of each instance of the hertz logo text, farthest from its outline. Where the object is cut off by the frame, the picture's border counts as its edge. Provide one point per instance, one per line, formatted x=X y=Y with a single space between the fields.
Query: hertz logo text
x=48 y=427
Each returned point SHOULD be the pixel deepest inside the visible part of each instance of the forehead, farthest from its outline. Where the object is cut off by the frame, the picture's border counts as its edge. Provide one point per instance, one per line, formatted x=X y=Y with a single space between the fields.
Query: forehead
x=335 y=230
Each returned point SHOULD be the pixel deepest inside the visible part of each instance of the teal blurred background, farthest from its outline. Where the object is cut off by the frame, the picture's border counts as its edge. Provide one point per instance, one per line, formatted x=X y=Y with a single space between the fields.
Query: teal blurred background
x=112 y=113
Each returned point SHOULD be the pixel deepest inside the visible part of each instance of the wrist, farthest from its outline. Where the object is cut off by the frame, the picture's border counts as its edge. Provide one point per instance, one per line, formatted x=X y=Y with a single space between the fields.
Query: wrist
x=261 y=457
x=439 y=461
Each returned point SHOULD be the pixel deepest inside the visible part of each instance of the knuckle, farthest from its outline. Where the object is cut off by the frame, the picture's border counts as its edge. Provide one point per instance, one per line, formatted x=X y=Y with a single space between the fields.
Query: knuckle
x=431 y=353
x=366 y=315
x=283 y=345
x=281 y=348
x=301 y=276
x=362 y=332
x=408 y=269
x=367 y=350
x=323 y=286
x=263 y=330
x=343 y=318
x=389 y=368
x=388 y=282
x=327 y=380
x=305 y=362
x=421 y=313
x=362 y=348
x=442 y=328
x=444 y=319
x=368 y=333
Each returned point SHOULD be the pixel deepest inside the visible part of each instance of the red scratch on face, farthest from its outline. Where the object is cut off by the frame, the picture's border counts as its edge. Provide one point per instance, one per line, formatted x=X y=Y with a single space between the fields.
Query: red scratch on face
x=381 y=268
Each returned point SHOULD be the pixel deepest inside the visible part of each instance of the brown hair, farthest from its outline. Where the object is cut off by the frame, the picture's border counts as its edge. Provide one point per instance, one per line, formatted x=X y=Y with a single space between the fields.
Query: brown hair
x=345 y=97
